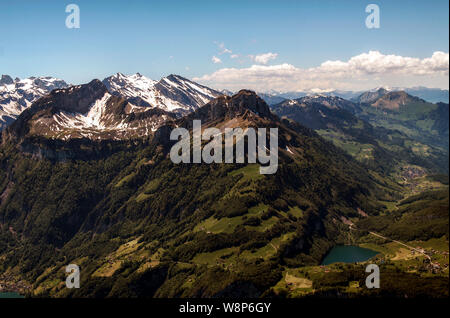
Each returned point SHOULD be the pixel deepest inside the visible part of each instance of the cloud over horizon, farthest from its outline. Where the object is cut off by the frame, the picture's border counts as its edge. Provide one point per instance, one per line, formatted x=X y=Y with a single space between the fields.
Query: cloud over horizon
x=362 y=71
x=264 y=58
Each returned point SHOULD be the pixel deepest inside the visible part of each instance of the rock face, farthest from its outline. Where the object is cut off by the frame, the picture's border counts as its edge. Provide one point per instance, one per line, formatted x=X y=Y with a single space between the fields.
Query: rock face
x=135 y=88
x=90 y=111
x=86 y=111
x=371 y=96
x=76 y=99
x=245 y=102
x=6 y=80
x=17 y=95
x=244 y=109
x=388 y=99
x=394 y=100
x=318 y=112
x=172 y=93
x=331 y=102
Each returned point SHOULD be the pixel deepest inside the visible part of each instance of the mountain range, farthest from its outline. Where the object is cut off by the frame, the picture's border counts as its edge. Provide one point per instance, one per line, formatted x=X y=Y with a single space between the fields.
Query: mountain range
x=390 y=128
x=87 y=111
x=86 y=178
x=362 y=129
x=17 y=95
x=431 y=95
x=87 y=209
x=173 y=93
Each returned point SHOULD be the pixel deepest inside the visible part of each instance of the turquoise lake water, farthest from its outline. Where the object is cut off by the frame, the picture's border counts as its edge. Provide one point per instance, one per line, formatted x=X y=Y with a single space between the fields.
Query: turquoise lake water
x=10 y=295
x=348 y=254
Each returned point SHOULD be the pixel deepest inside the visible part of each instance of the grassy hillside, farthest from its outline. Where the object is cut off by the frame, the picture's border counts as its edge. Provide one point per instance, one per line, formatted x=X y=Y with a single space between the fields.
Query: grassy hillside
x=379 y=145
x=425 y=122
x=139 y=225
x=133 y=215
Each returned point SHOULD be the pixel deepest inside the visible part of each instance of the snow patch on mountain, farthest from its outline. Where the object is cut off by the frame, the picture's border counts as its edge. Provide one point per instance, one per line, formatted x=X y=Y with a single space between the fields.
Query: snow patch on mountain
x=172 y=93
x=93 y=119
x=60 y=115
x=18 y=94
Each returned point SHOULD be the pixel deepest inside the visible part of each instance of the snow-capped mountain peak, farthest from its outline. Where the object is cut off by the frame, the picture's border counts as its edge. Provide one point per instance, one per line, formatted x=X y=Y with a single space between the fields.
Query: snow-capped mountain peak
x=17 y=95
x=136 y=80
x=87 y=111
x=173 y=93
x=136 y=88
x=381 y=88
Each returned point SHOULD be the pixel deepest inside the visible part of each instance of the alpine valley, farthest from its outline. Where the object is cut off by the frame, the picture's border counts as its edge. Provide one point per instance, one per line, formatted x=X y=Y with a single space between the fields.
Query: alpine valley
x=86 y=179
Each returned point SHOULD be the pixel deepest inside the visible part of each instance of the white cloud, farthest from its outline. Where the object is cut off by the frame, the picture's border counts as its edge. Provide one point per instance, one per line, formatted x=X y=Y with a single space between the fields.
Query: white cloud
x=222 y=48
x=376 y=63
x=216 y=60
x=234 y=56
x=264 y=58
x=363 y=71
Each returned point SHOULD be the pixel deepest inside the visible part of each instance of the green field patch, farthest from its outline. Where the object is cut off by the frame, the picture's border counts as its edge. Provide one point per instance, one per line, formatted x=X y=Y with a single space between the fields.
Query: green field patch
x=227 y=225
x=216 y=257
x=296 y=211
x=113 y=261
x=390 y=205
x=50 y=283
x=440 y=244
x=264 y=252
x=213 y=225
x=297 y=282
x=355 y=149
x=294 y=283
x=249 y=172
x=265 y=224
x=107 y=269
x=125 y=180
x=142 y=197
x=268 y=250
x=150 y=261
x=127 y=248
x=382 y=248
x=152 y=186
x=257 y=209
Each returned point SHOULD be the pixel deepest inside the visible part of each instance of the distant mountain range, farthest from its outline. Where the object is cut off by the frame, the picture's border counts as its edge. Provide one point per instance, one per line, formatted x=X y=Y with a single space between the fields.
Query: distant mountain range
x=432 y=95
x=172 y=93
x=370 y=96
x=122 y=107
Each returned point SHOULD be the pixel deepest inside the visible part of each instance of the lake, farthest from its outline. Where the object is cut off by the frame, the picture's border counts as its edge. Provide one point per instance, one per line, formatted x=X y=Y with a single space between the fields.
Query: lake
x=348 y=254
x=10 y=295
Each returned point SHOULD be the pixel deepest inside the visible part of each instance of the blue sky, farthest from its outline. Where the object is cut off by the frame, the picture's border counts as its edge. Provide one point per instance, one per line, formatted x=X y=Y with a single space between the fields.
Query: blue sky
x=157 y=38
